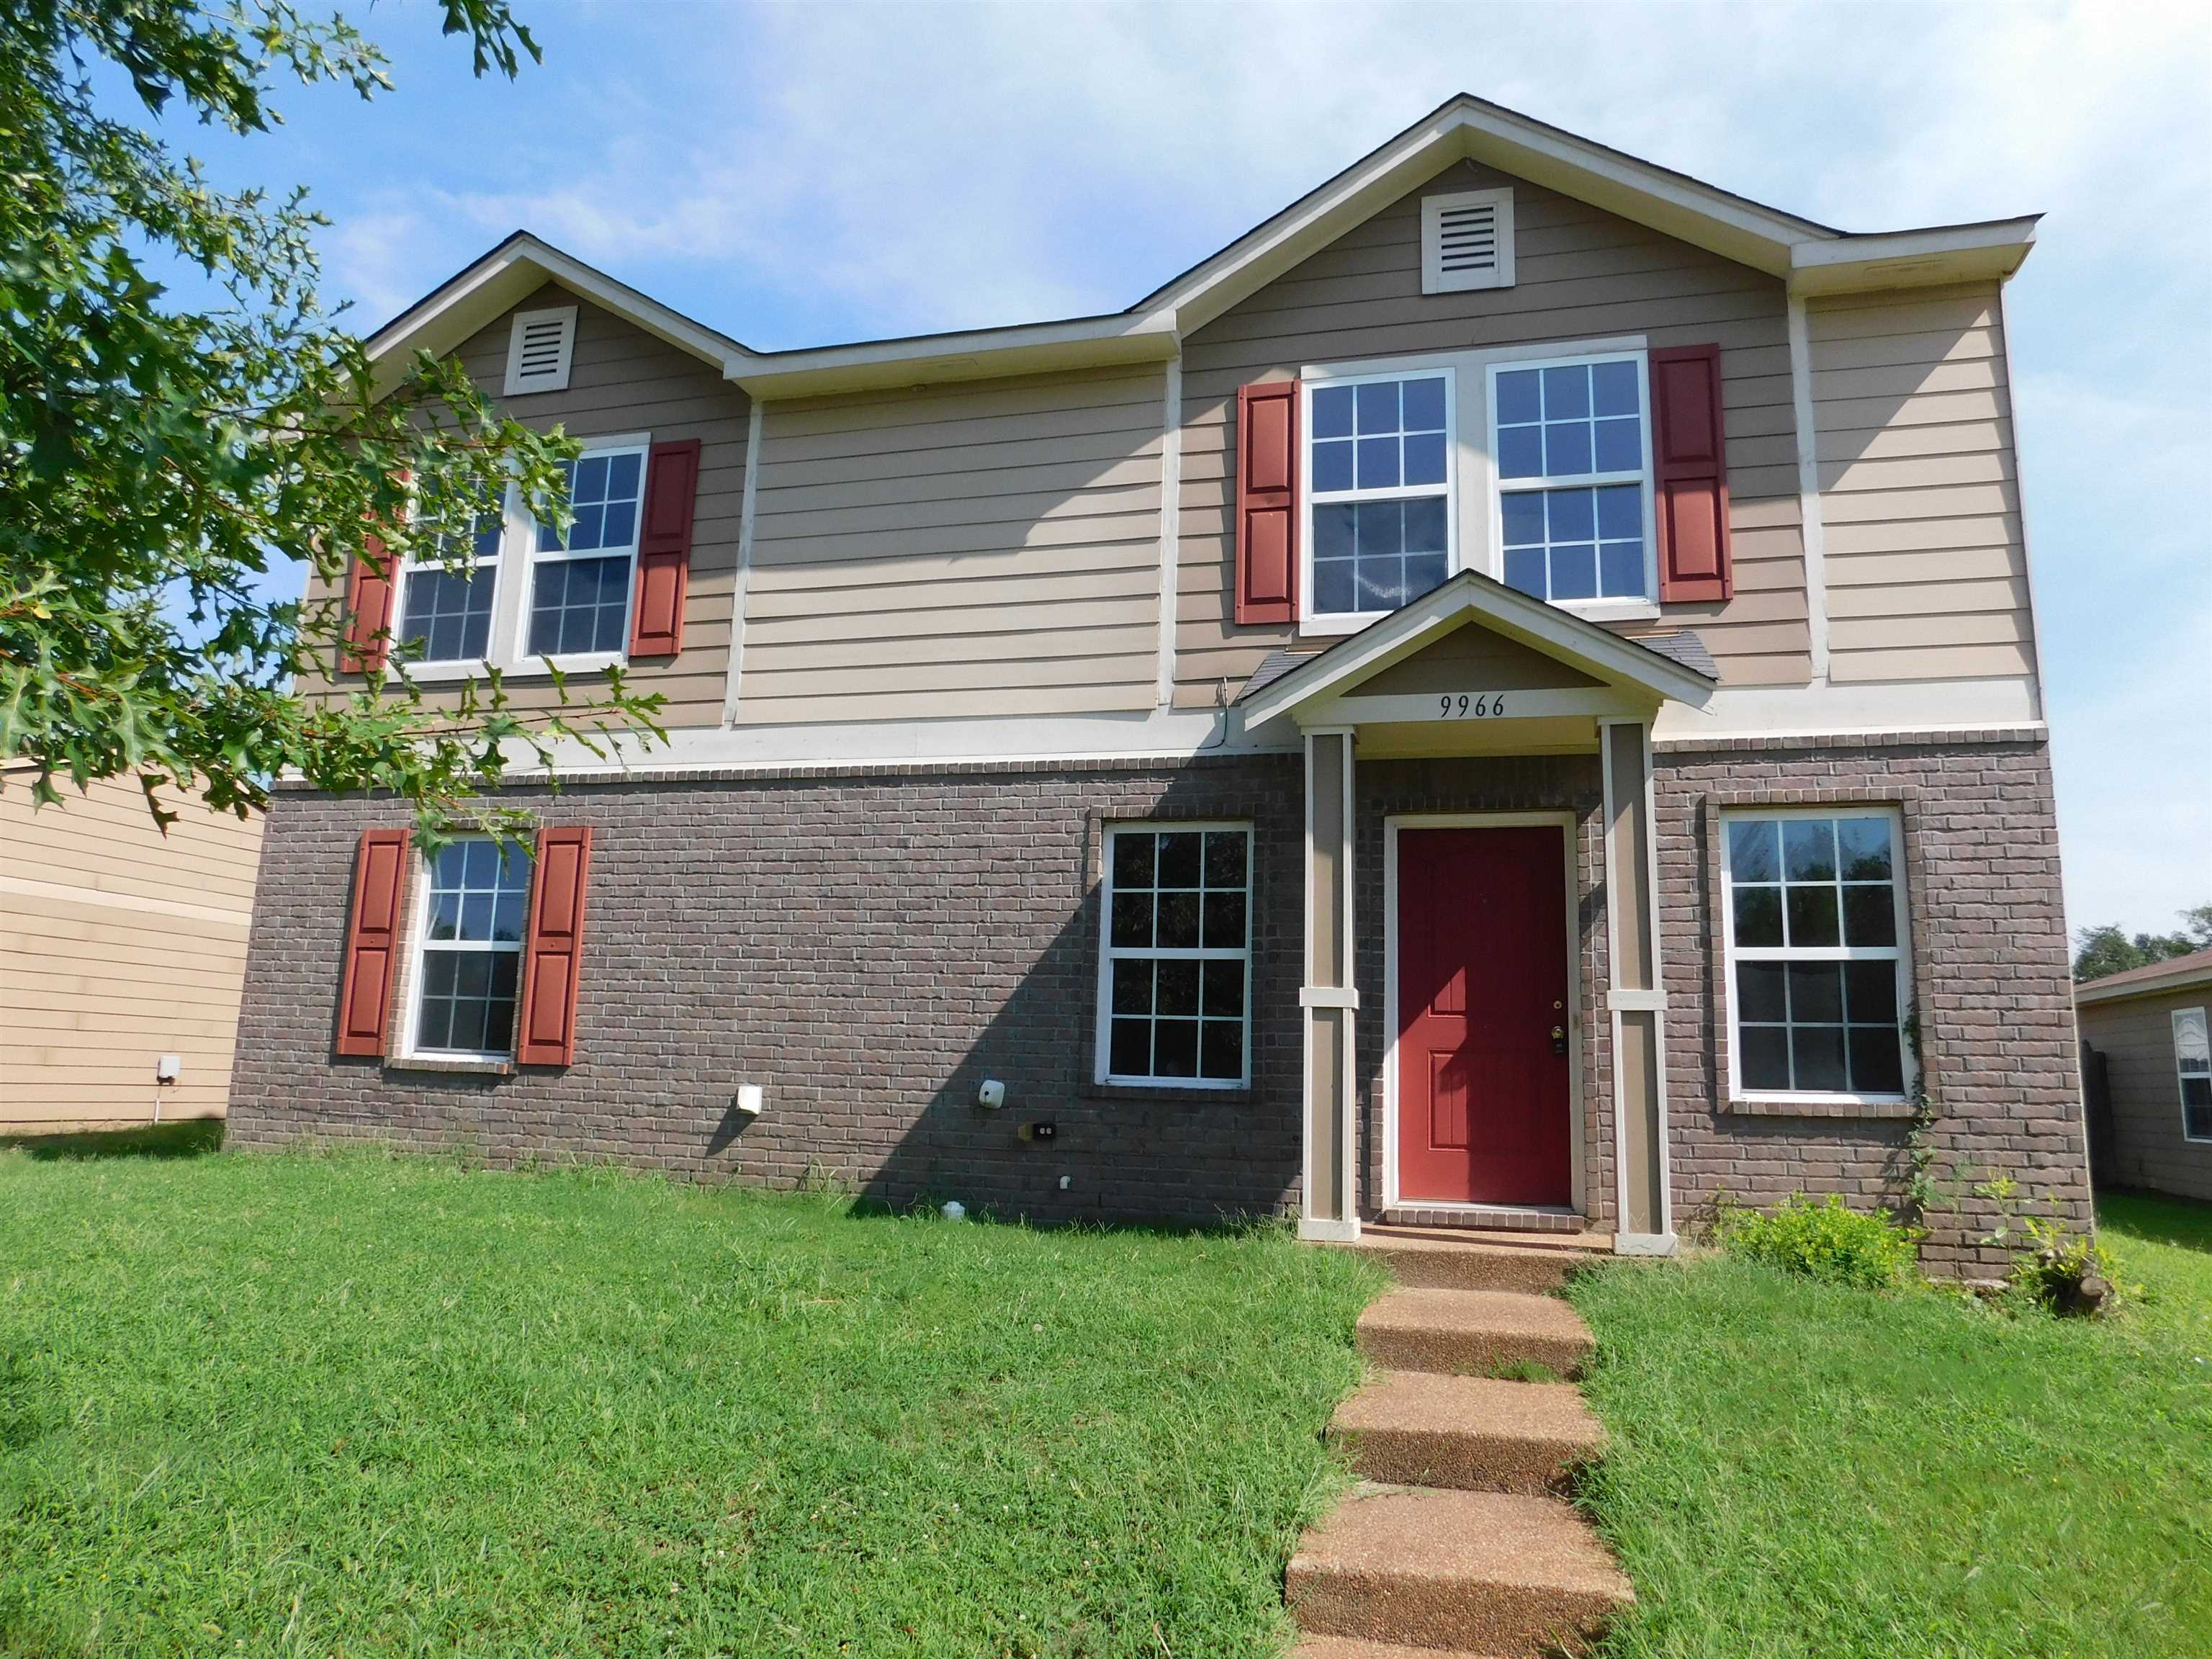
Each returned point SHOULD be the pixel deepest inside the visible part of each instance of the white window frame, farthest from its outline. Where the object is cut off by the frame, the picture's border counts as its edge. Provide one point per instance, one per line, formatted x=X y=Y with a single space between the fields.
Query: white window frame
x=455 y=668
x=640 y=444
x=1435 y=279
x=1351 y=622
x=419 y=944
x=2180 y=1073
x=1901 y=952
x=515 y=385
x=1602 y=607
x=1474 y=514
x=1109 y=953
x=517 y=562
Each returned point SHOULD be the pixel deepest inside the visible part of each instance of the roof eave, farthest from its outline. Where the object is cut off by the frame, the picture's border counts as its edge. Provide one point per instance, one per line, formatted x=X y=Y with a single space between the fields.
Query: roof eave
x=935 y=359
x=509 y=273
x=2188 y=976
x=1989 y=252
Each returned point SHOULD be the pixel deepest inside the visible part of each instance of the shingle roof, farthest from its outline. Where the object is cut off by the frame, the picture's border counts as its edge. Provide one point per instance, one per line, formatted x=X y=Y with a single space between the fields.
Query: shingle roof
x=2175 y=974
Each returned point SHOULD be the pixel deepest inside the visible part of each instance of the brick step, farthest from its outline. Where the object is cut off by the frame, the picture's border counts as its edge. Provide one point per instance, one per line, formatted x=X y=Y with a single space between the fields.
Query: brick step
x=1473 y=1433
x=1473 y=1333
x=1351 y=1647
x=1494 y=1573
x=1428 y=1261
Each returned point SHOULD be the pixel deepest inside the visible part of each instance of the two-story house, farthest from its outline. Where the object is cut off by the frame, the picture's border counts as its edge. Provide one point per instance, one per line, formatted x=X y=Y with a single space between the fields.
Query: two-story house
x=1506 y=695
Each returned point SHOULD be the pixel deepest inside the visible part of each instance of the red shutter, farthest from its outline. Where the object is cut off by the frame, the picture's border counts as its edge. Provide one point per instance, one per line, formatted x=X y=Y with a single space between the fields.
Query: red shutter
x=1267 y=503
x=1690 y=464
x=664 y=549
x=369 y=610
x=552 y=954
x=380 y=882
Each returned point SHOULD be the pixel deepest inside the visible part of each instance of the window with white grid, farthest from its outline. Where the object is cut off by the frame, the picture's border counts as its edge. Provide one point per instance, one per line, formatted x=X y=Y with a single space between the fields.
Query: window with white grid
x=1175 y=992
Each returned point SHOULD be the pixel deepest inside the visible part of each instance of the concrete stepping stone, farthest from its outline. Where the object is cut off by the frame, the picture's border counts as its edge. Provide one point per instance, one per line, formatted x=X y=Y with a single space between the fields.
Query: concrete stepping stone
x=1351 y=1647
x=1473 y=1333
x=1472 y=1433
x=1425 y=1260
x=1493 y=1573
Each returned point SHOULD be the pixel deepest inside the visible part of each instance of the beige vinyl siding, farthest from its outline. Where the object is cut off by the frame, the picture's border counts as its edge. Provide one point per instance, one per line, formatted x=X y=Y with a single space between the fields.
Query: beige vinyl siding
x=1927 y=574
x=624 y=380
x=2136 y=1036
x=117 y=945
x=984 y=549
x=1580 y=273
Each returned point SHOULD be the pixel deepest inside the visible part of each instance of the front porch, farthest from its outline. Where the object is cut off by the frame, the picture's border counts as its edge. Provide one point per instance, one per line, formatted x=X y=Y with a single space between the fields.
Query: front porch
x=1483 y=1014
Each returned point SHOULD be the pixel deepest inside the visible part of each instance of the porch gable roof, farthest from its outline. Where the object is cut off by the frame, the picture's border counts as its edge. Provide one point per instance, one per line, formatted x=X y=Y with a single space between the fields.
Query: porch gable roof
x=1472 y=597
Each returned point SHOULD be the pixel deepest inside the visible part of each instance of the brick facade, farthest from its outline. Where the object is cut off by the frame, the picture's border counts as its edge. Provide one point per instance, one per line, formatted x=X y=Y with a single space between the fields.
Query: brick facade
x=870 y=946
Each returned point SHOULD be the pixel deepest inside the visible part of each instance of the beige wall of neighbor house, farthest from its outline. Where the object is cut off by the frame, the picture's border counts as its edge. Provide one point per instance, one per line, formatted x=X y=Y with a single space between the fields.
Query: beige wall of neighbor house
x=118 y=945
x=1580 y=273
x=622 y=381
x=988 y=548
x=2135 y=1036
x=1926 y=566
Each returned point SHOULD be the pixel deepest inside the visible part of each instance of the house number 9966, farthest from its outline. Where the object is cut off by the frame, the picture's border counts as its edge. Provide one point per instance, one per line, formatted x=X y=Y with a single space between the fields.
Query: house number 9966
x=1470 y=706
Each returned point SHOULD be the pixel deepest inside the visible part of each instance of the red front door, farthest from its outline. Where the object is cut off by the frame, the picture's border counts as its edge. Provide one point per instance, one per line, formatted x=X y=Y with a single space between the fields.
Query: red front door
x=1482 y=983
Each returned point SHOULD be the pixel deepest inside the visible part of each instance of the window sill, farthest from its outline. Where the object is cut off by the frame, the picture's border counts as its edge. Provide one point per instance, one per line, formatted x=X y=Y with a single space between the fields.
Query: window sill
x=1613 y=610
x=452 y=673
x=1240 y=1094
x=1814 y=1106
x=477 y=1066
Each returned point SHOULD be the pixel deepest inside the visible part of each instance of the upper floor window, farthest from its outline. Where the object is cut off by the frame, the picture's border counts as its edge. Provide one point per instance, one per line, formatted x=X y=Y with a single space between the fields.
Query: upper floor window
x=581 y=584
x=1815 y=941
x=1573 y=458
x=528 y=592
x=2193 y=1060
x=1533 y=467
x=1380 y=472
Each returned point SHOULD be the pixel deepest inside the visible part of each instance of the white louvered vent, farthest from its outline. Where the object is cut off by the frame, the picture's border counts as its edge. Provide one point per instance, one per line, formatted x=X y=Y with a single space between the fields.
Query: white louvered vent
x=539 y=352
x=1466 y=240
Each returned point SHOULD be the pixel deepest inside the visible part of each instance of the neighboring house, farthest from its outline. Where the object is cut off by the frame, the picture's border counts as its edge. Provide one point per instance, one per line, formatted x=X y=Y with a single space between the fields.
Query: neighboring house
x=1509 y=693
x=122 y=955
x=2147 y=1057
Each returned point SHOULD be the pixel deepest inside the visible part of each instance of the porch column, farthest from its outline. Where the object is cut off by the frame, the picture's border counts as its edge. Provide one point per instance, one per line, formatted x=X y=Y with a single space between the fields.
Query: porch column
x=1635 y=996
x=1327 y=1001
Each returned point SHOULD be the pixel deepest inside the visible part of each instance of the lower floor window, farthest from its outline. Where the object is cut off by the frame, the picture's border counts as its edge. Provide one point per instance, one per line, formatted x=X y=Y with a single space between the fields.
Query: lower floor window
x=1176 y=996
x=470 y=969
x=2193 y=1059
x=1816 y=966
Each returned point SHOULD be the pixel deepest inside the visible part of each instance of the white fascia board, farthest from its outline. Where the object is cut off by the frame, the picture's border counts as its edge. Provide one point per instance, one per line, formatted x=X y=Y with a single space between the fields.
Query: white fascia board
x=1912 y=259
x=511 y=273
x=1681 y=207
x=983 y=354
x=2183 y=976
x=1468 y=598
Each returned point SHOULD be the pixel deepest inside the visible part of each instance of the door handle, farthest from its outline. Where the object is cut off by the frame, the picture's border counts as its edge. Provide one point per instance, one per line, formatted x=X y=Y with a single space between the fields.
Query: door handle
x=1558 y=1039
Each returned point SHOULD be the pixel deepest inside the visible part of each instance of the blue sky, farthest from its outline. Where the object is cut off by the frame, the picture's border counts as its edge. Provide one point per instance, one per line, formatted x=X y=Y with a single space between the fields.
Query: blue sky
x=794 y=175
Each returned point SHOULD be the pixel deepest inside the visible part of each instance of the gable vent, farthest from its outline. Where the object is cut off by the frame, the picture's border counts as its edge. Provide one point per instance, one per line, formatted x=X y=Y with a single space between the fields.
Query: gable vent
x=539 y=352
x=1466 y=240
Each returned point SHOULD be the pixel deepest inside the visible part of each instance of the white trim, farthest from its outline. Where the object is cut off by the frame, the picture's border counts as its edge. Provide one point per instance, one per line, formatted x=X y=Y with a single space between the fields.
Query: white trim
x=1318 y=1232
x=1109 y=953
x=520 y=383
x=1645 y=604
x=1578 y=1117
x=977 y=354
x=1549 y=628
x=1622 y=1000
x=2026 y=553
x=1171 y=525
x=2181 y=1077
x=1422 y=707
x=417 y=943
x=2182 y=976
x=1328 y=996
x=1899 y=954
x=747 y=509
x=1989 y=251
x=1435 y=279
x=1816 y=712
x=1812 y=530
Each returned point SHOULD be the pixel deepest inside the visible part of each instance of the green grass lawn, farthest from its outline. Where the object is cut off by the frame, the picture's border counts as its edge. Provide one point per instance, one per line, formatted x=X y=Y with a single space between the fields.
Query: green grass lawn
x=354 y=1405
x=1803 y=1471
